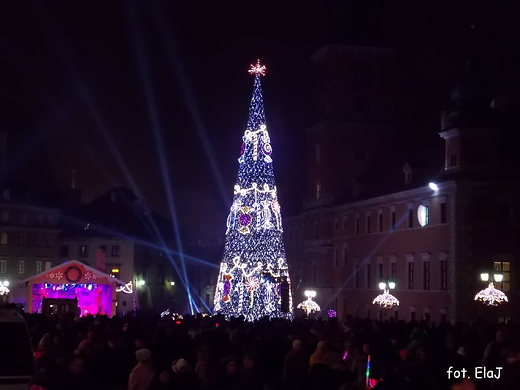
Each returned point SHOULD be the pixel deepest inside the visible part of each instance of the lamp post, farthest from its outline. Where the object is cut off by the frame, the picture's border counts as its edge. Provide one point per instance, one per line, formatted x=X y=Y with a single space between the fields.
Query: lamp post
x=309 y=306
x=386 y=300
x=491 y=296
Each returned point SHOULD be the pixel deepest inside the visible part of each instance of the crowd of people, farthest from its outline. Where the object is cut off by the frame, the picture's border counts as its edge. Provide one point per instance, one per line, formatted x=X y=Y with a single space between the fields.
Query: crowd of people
x=208 y=353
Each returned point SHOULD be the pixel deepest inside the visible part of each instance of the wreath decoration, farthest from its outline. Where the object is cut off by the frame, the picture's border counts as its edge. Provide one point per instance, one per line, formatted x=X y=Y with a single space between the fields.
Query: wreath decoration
x=73 y=268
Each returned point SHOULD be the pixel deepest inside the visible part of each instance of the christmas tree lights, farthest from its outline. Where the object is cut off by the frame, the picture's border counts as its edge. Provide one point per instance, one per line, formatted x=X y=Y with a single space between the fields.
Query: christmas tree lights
x=254 y=278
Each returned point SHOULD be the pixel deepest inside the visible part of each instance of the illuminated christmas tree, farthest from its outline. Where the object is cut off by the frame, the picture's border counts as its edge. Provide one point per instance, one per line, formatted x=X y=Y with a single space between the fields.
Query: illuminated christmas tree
x=254 y=278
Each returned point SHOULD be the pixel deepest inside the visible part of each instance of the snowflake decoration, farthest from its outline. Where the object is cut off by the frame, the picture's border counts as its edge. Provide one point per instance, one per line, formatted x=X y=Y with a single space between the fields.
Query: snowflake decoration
x=90 y=275
x=55 y=275
x=257 y=69
x=491 y=296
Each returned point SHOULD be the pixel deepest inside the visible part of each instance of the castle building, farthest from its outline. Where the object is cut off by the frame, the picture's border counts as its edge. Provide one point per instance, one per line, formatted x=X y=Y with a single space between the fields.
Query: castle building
x=430 y=221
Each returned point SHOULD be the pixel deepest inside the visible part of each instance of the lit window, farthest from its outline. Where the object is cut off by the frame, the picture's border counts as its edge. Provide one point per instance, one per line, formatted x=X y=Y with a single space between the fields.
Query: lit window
x=505 y=268
x=423 y=215
x=21 y=266
x=83 y=251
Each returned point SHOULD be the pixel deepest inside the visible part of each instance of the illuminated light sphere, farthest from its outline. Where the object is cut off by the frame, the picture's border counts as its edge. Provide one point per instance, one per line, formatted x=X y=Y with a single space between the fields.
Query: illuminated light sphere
x=422 y=215
x=309 y=306
x=433 y=186
x=386 y=300
x=254 y=280
x=491 y=296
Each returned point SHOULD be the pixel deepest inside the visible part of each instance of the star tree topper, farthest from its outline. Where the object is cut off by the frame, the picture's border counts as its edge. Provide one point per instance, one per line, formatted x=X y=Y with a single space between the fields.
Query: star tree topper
x=257 y=69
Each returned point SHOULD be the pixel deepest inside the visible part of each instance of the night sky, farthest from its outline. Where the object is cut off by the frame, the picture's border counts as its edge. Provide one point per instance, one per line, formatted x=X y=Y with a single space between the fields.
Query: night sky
x=95 y=86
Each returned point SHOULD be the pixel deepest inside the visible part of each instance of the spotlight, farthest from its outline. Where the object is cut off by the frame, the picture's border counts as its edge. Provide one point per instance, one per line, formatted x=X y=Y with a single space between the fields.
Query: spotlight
x=434 y=186
x=172 y=283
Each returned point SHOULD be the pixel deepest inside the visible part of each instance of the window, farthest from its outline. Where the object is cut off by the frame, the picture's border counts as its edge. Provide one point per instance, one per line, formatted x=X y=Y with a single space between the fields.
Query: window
x=318 y=190
x=444 y=275
x=40 y=219
x=359 y=155
x=392 y=220
x=453 y=160
x=316 y=230
x=380 y=222
x=116 y=251
x=503 y=213
x=393 y=271
x=4 y=238
x=426 y=275
x=357 y=276
x=47 y=265
x=345 y=224
x=83 y=251
x=49 y=241
x=38 y=267
x=7 y=194
x=410 y=218
x=423 y=215
x=5 y=216
x=21 y=266
x=318 y=153
x=336 y=257
x=64 y=251
x=369 y=275
x=3 y=266
x=505 y=268
x=443 y=212
x=50 y=220
x=23 y=218
x=381 y=271
x=39 y=240
x=357 y=225
x=407 y=177
x=345 y=257
x=22 y=240
x=368 y=223
x=410 y=275
x=336 y=224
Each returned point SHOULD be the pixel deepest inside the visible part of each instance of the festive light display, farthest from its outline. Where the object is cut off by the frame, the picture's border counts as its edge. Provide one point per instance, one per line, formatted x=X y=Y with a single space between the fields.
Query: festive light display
x=254 y=277
x=127 y=288
x=386 y=300
x=491 y=296
x=332 y=313
x=309 y=306
x=4 y=290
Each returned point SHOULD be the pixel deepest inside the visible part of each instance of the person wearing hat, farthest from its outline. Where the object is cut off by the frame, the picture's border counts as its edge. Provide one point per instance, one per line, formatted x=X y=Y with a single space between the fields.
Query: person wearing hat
x=143 y=373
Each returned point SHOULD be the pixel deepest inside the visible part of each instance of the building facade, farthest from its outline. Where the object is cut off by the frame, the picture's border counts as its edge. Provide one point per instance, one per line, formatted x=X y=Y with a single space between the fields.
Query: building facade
x=371 y=214
x=28 y=239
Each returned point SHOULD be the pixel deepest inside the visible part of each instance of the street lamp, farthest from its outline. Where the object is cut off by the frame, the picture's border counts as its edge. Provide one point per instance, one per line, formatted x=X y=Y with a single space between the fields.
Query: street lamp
x=491 y=296
x=309 y=306
x=386 y=300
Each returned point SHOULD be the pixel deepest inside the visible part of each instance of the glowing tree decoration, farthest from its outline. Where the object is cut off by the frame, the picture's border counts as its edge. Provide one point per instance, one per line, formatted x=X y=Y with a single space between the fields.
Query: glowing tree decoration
x=491 y=296
x=386 y=300
x=254 y=278
x=309 y=306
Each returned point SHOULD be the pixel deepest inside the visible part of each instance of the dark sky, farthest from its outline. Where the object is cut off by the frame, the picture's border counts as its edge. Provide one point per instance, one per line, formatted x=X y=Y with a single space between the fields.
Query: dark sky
x=95 y=86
